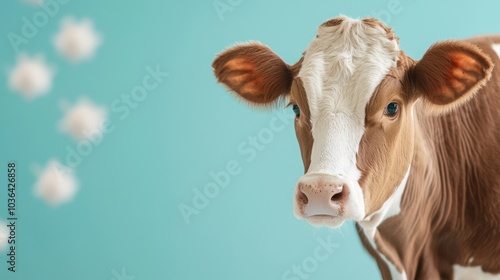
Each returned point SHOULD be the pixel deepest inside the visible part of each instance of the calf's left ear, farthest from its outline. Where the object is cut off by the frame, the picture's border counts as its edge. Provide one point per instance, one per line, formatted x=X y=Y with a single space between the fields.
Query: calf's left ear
x=450 y=73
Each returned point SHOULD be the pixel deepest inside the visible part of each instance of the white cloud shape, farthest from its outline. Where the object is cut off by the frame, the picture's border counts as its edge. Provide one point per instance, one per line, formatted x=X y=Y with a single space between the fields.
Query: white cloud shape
x=83 y=120
x=31 y=77
x=56 y=184
x=4 y=234
x=77 y=41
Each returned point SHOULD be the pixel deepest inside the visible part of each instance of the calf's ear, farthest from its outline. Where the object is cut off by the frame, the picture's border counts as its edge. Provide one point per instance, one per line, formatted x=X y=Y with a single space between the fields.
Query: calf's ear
x=449 y=74
x=254 y=72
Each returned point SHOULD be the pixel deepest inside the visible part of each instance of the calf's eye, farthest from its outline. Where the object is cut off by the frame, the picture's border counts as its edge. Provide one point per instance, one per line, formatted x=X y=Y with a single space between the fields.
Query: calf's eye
x=296 y=110
x=392 y=109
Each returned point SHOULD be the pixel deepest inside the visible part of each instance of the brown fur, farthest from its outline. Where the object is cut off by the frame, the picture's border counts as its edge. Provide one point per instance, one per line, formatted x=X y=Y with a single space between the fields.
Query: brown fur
x=302 y=124
x=384 y=270
x=332 y=22
x=450 y=210
x=374 y=23
x=386 y=164
x=254 y=72
x=464 y=67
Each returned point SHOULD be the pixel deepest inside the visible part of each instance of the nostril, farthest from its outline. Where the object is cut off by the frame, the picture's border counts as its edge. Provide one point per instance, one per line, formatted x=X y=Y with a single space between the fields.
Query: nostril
x=302 y=198
x=338 y=195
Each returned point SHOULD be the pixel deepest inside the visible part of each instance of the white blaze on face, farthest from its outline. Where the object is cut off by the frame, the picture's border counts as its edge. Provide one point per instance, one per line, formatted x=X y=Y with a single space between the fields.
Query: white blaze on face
x=83 y=120
x=341 y=69
x=56 y=184
x=4 y=234
x=77 y=41
x=31 y=77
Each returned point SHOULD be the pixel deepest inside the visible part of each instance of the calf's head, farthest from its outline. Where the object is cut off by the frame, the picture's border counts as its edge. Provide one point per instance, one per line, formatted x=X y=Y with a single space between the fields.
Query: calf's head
x=353 y=93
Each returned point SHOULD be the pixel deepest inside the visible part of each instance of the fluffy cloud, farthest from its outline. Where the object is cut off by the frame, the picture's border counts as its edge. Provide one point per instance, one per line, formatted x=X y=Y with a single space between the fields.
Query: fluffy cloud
x=31 y=77
x=83 y=119
x=56 y=184
x=77 y=41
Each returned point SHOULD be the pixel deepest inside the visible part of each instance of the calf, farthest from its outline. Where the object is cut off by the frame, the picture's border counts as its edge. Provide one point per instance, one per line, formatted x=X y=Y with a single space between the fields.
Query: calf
x=407 y=149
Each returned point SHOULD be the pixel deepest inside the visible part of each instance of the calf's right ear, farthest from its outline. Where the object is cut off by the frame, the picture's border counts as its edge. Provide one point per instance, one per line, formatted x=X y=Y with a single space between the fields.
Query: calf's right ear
x=254 y=72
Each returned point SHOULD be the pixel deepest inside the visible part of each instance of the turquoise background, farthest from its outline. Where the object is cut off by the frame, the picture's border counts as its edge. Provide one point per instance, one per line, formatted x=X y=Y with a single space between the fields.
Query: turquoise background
x=126 y=214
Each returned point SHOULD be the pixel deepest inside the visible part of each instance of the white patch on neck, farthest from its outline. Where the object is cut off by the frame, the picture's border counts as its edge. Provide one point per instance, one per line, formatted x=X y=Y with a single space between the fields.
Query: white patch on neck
x=395 y=274
x=340 y=71
x=496 y=48
x=472 y=272
x=390 y=208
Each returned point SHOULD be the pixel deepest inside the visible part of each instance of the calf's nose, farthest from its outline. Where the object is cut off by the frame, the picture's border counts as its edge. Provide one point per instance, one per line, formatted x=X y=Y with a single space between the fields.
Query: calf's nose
x=321 y=195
